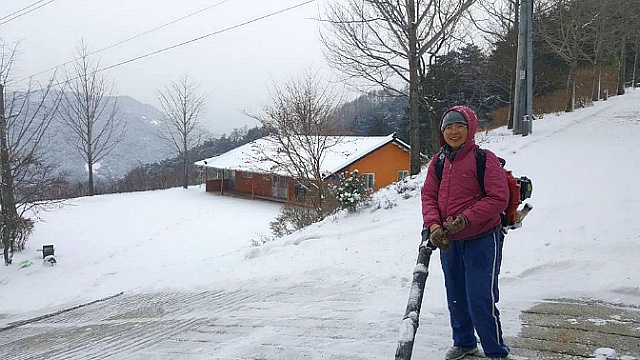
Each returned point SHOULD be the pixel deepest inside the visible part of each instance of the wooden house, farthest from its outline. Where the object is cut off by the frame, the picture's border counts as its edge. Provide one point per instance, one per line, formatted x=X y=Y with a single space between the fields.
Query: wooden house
x=381 y=160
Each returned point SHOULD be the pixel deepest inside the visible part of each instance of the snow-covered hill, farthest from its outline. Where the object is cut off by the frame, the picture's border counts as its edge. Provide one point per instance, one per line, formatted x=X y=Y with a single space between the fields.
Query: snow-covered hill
x=140 y=144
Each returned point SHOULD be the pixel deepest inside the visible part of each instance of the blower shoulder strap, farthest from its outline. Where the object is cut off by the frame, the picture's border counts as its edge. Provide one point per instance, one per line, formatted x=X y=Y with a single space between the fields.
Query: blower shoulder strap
x=481 y=161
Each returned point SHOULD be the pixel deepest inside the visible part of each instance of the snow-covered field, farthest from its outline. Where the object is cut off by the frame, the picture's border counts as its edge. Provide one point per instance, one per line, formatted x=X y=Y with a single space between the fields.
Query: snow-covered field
x=338 y=289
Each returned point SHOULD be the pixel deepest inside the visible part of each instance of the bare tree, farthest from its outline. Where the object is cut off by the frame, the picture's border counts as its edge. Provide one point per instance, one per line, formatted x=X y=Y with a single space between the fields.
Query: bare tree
x=498 y=22
x=600 y=37
x=627 y=22
x=563 y=25
x=384 y=42
x=89 y=109
x=302 y=127
x=238 y=134
x=496 y=19
x=25 y=117
x=180 y=126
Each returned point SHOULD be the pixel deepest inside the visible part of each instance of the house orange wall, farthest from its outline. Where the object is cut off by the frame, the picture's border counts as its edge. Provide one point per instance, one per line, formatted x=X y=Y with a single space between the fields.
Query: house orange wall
x=217 y=185
x=257 y=185
x=385 y=163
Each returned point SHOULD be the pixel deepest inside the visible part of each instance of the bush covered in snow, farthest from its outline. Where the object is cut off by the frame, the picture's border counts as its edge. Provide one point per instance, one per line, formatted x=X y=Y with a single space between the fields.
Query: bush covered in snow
x=350 y=191
x=261 y=240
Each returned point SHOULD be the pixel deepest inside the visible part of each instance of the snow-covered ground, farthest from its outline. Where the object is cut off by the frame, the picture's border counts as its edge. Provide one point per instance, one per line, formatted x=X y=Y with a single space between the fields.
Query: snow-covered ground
x=582 y=240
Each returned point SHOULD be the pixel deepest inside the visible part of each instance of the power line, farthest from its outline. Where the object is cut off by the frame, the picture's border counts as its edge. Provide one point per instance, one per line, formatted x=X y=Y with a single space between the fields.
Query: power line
x=17 y=11
x=24 y=13
x=193 y=40
x=159 y=27
x=207 y=35
x=125 y=40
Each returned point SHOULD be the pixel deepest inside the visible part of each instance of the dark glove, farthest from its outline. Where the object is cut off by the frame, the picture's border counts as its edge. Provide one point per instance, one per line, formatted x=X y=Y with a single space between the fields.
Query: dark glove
x=439 y=239
x=455 y=225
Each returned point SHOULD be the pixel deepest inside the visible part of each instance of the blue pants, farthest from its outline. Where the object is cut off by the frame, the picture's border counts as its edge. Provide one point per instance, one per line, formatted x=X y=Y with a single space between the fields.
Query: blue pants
x=471 y=270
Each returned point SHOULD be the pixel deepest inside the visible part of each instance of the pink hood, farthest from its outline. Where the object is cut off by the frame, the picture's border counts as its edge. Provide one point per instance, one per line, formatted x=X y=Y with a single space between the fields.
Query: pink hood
x=472 y=123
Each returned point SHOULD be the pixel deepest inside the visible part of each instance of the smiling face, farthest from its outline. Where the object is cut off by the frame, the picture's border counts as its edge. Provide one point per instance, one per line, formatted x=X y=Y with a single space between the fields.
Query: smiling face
x=455 y=135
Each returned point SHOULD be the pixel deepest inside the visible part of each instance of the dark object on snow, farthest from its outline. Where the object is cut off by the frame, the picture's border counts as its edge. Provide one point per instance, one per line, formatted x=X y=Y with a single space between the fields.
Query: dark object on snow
x=526 y=187
x=412 y=313
x=50 y=260
x=47 y=250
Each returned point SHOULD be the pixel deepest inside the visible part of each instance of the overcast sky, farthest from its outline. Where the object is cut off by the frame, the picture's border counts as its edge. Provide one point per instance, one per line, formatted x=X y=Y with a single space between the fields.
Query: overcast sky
x=236 y=68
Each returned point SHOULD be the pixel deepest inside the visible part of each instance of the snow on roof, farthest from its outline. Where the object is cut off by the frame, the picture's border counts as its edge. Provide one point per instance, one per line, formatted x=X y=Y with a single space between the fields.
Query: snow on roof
x=347 y=150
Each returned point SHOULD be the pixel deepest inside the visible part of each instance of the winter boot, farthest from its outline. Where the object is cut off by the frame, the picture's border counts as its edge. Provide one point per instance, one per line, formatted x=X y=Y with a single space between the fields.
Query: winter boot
x=457 y=353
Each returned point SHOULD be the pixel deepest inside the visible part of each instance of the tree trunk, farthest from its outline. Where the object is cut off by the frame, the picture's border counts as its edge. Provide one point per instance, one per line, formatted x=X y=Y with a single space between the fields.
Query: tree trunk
x=596 y=83
x=9 y=212
x=91 y=190
x=512 y=92
x=571 y=86
x=414 y=124
x=512 y=101
x=635 y=66
x=185 y=154
x=623 y=65
x=185 y=172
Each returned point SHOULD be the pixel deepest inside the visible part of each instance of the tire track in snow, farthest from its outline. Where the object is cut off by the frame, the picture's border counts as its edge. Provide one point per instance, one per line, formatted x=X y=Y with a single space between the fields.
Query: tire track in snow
x=311 y=320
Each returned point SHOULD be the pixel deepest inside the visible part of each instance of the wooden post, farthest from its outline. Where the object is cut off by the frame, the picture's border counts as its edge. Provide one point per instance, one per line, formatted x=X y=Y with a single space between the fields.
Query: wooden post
x=222 y=184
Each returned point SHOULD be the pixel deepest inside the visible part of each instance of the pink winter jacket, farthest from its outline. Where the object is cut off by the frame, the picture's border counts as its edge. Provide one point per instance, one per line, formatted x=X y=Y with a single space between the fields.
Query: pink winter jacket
x=459 y=191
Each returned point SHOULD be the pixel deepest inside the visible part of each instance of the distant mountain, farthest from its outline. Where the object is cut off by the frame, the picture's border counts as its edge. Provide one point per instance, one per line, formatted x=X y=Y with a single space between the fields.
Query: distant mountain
x=139 y=146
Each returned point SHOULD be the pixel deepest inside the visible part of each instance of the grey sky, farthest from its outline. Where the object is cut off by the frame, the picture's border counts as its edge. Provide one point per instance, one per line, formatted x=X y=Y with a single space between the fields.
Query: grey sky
x=236 y=68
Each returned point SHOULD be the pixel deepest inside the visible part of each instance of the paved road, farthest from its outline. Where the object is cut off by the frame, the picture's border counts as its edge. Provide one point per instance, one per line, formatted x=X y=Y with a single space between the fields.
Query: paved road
x=208 y=325
x=575 y=329
x=243 y=325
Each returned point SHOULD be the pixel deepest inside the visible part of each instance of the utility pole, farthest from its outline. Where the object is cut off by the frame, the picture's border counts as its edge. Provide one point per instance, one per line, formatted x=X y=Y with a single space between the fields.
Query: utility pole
x=7 y=200
x=529 y=107
x=414 y=124
x=523 y=97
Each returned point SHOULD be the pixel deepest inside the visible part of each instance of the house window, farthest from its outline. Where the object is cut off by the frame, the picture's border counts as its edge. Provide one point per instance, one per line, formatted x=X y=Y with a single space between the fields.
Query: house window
x=246 y=175
x=217 y=174
x=402 y=174
x=300 y=192
x=280 y=187
x=369 y=180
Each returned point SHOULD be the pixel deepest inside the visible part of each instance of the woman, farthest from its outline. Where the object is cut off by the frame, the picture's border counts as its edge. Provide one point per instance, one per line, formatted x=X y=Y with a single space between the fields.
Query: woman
x=464 y=223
